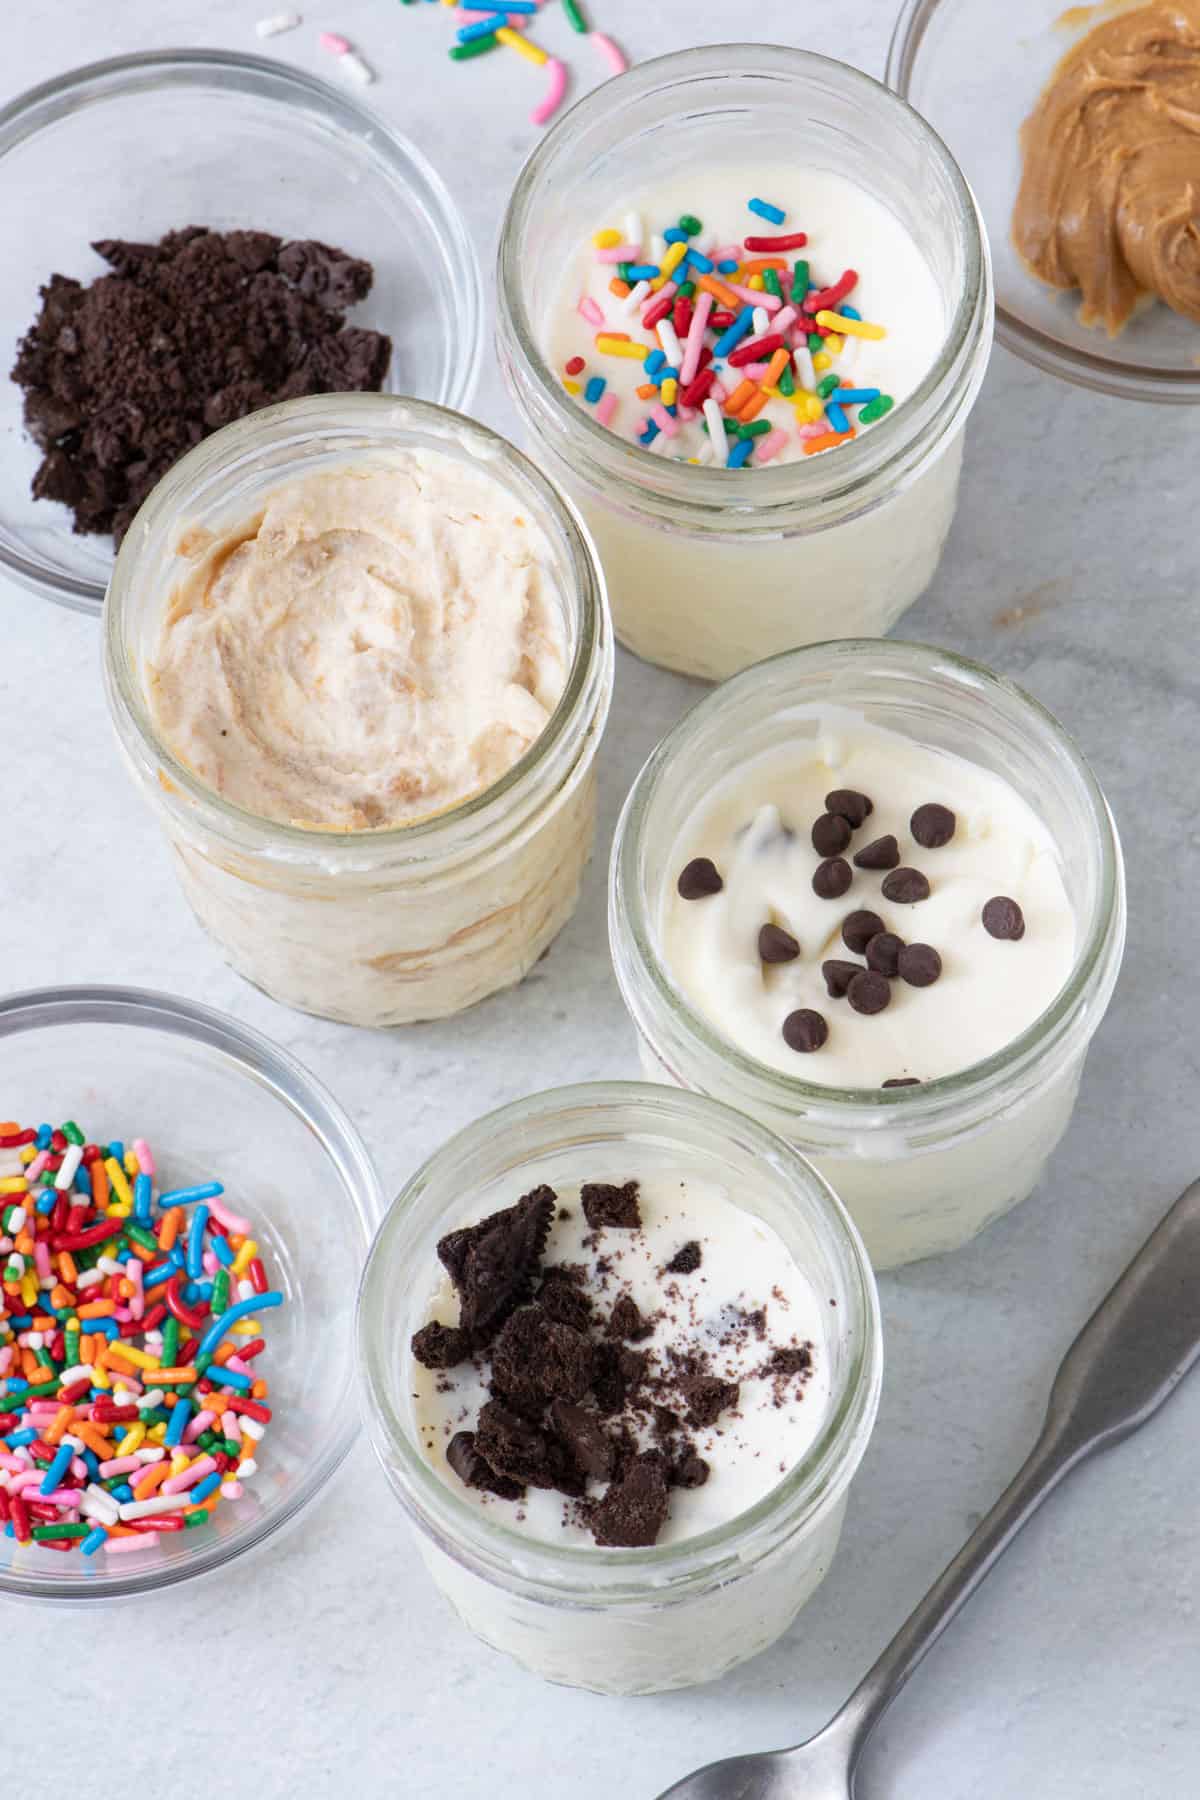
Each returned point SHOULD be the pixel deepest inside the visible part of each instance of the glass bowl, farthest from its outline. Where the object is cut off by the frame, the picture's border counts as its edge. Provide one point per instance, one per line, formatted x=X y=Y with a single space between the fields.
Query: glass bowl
x=975 y=73
x=143 y=145
x=213 y=1099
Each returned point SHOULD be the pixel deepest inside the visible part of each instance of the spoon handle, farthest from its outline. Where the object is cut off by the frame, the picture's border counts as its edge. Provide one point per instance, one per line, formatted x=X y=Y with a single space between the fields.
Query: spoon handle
x=1130 y=1356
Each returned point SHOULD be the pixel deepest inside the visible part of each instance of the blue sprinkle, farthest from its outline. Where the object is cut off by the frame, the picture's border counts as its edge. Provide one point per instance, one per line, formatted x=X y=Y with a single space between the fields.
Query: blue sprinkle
x=92 y=1463
x=195 y=1243
x=837 y=417
x=848 y=312
x=644 y=271
x=157 y=1274
x=181 y=1412
x=207 y=1190
x=122 y=1491
x=729 y=340
x=591 y=393
x=705 y=264
x=57 y=1469
x=741 y=453
x=15 y=1439
x=232 y=1378
x=651 y=432
x=853 y=396
x=44 y=1135
x=204 y=1488
x=654 y=362
x=675 y=236
x=219 y=1245
x=83 y=1180
x=92 y=1542
x=117 y=1150
x=765 y=210
x=727 y=267
x=141 y=1199
x=45 y=1204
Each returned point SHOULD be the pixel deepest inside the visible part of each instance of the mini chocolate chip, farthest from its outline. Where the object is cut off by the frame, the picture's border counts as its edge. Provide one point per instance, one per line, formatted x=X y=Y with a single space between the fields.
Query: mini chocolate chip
x=920 y=965
x=830 y=834
x=686 y=1259
x=869 y=992
x=1003 y=918
x=883 y=853
x=838 y=976
x=832 y=878
x=932 y=825
x=902 y=1081
x=804 y=1030
x=852 y=807
x=905 y=886
x=699 y=879
x=858 y=928
x=775 y=945
x=884 y=952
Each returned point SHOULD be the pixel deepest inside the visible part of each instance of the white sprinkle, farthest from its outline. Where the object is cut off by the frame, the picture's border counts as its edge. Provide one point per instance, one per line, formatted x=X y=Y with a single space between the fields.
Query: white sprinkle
x=668 y=337
x=355 y=66
x=97 y=1503
x=802 y=357
x=658 y=249
x=245 y=1289
x=17 y=1220
x=633 y=235
x=267 y=28
x=154 y=1454
x=72 y=1157
x=716 y=429
x=635 y=296
x=246 y=1469
x=253 y=1428
x=762 y=321
x=146 y=1509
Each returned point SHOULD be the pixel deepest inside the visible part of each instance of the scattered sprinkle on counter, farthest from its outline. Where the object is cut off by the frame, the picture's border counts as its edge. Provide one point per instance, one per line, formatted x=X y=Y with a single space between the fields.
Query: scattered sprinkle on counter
x=501 y=27
x=130 y=1405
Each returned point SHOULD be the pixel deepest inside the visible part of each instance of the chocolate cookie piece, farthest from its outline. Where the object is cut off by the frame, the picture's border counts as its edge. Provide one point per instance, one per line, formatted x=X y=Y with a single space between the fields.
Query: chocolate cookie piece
x=513 y=1447
x=562 y=1298
x=804 y=1030
x=626 y=1321
x=858 y=928
x=585 y=1437
x=882 y=853
x=852 y=807
x=686 y=1259
x=707 y=1397
x=438 y=1346
x=775 y=945
x=688 y=1470
x=831 y=834
x=902 y=1081
x=634 y=1510
x=791 y=1359
x=492 y=1264
x=536 y=1358
x=832 y=878
x=699 y=879
x=609 y=1386
x=932 y=825
x=474 y=1472
x=1003 y=918
x=905 y=886
x=606 y=1206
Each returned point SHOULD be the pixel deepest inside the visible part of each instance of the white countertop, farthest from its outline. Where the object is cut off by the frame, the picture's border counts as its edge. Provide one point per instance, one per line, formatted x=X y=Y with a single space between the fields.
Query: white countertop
x=332 y=1663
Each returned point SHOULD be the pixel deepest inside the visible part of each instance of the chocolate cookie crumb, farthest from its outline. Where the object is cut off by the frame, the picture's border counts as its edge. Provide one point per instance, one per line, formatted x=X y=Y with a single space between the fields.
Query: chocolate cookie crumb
x=634 y=1510
x=626 y=1321
x=492 y=1264
x=902 y=1081
x=792 y=1359
x=707 y=1397
x=474 y=1472
x=605 y=1205
x=686 y=1259
x=513 y=1447
x=438 y=1346
x=688 y=1470
x=560 y=1298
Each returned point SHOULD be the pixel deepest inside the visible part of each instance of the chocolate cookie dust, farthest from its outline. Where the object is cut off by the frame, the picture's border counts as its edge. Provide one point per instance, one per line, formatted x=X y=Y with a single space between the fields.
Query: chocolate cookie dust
x=121 y=377
x=570 y=1402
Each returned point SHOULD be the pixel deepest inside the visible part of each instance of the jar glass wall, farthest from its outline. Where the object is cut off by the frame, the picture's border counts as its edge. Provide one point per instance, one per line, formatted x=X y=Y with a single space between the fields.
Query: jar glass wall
x=403 y=923
x=623 y=1621
x=920 y=1169
x=711 y=569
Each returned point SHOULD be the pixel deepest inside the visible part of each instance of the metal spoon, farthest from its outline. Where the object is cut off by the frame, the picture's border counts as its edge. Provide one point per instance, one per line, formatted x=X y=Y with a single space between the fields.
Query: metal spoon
x=1130 y=1356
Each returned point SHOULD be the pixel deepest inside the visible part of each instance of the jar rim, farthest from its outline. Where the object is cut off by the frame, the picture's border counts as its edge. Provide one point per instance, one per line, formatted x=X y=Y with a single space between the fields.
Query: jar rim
x=750 y=496
x=425 y=423
x=819 y=1477
x=631 y=932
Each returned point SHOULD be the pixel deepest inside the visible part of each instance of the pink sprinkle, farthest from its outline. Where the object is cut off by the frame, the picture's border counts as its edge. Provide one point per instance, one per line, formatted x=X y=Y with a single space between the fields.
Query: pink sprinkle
x=770 y=446
x=815 y=428
x=719 y=392
x=119 y=1465
x=613 y=56
x=141 y=1150
x=620 y=253
x=753 y=371
x=141 y=1540
x=727 y=253
x=336 y=46
x=41 y=1259
x=695 y=340
x=229 y=1220
x=662 y=418
x=590 y=311
x=753 y=297
x=178 y=1484
x=666 y=292
x=199 y=1424
x=35 y=1168
x=605 y=408
x=782 y=320
x=232 y=1490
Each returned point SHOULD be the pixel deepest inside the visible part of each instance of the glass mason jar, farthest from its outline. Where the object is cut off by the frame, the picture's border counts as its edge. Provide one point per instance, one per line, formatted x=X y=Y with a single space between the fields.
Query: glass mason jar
x=712 y=569
x=623 y=1621
x=920 y=1169
x=409 y=922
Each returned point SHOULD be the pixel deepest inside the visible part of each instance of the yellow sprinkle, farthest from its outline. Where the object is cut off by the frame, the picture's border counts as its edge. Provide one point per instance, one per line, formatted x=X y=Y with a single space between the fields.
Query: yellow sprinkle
x=609 y=346
x=14 y=1184
x=140 y=1360
x=133 y=1440
x=531 y=52
x=808 y=407
x=156 y=1434
x=834 y=345
x=180 y=1461
x=672 y=259
x=116 y=1175
x=670 y=391
x=757 y=283
x=849 y=327
x=572 y=387
x=607 y=240
x=244 y=1258
x=28 y=1152
x=247 y=1328
x=822 y=360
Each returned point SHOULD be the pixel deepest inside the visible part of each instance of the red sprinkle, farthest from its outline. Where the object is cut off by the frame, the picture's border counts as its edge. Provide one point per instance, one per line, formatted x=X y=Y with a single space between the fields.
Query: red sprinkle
x=20 y=1518
x=253 y=1409
x=258 y=1276
x=13 y=1140
x=69 y=1395
x=576 y=366
x=658 y=311
x=795 y=240
x=827 y=299
x=720 y=321
x=697 y=391
x=759 y=351
x=683 y=315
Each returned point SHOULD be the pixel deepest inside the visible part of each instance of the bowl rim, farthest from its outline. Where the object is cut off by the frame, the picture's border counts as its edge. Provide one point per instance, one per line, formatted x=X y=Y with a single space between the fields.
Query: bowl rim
x=1083 y=368
x=373 y=136
x=265 y=1062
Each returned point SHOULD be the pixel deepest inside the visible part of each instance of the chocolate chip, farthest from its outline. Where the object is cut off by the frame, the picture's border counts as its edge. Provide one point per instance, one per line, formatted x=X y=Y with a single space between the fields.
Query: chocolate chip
x=688 y=1471
x=852 y=807
x=626 y=1321
x=585 y=1437
x=902 y=1081
x=438 y=1346
x=474 y=1472
x=792 y=1359
x=492 y=1264
x=838 y=976
x=858 y=928
x=606 y=1205
x=832 y=878
x=883 y=853
x=699 y=879
x=634 y=1510
x=883 y=953
x=804 y=1030
x=537 y=1358
x=513 y=1447
x=830 y=834
x=707 y=1397
x=932 y=825
x=905 y=886
x=685 y=1260
x=920 y=965
x=1003 y=918
x=775 y=945
x=869 y=992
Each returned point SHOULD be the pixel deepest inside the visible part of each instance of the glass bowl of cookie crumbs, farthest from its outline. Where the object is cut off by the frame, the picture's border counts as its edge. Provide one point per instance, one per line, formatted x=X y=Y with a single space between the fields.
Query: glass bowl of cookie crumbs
x=192 y=235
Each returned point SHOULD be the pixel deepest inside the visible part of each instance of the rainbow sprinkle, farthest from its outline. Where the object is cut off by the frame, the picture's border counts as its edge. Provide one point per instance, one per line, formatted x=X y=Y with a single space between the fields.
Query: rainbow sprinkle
x=725 y=329
x=129 y=1403
x=494 y=27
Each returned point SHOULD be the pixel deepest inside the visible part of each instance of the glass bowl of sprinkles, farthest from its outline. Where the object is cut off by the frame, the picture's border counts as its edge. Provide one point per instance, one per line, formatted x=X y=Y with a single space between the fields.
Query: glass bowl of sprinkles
x=181 y=1207
x=977 y=75
x=141 y=146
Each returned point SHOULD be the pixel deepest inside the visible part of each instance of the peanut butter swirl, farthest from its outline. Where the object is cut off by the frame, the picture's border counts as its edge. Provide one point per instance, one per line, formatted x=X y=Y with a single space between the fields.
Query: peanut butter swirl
x=1109 y=201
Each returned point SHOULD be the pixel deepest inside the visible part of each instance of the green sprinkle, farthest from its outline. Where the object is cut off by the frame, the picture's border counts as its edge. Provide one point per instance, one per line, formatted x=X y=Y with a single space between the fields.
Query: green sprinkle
x=140 y=1235
x=476 y=47
x=220 y=1293
x=170 y=1344
x=72 y=1133
x=192 y=1519
x=875 y=409
x=44 y=1358
x=43 y=1534
x=799 y=283
x=41 y=1387
x=690 y=223
x=575 y=17
x=756 y=428
x=686 y=290
x=732 y=427
x=787 y=382
x=208 y=1440
x=623 y=273
x=230 y=1447
x=202 y=1365
x=815 y=342
x=827 y=384
x=771 y=283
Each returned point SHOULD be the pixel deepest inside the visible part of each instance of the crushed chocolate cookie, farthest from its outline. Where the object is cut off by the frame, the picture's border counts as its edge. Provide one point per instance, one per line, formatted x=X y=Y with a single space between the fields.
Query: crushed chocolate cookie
x=492 y=1264
x=707 y=1397
x=474 y=1472
x=562 y=1299
x=688 y=1470
x=666 y=1422
x=792 y=1359
x=626 y=1321
x=634 y=1510
x=589 y=1444
x=699 y=879
x=438 y=1346
x=536 y=1358
x=686 y=1260
x=513 y=1447
x=902 y=1081
x=611 y=1207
